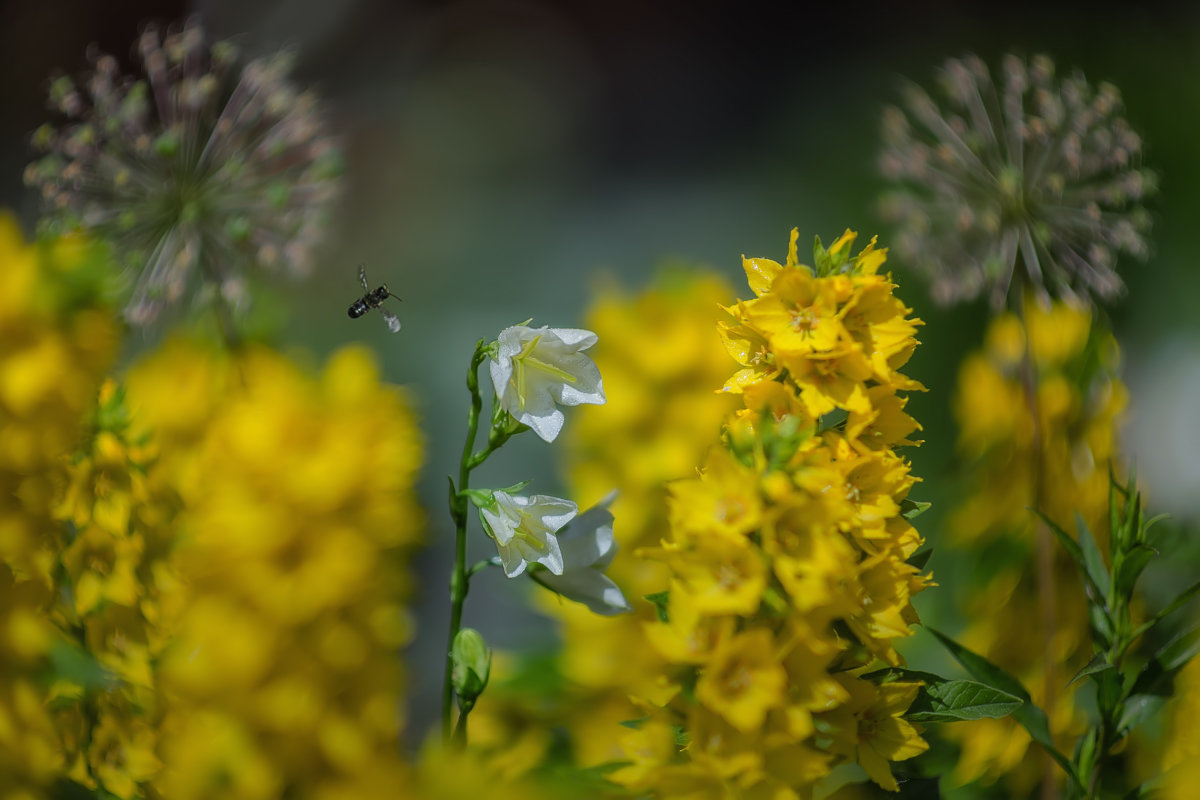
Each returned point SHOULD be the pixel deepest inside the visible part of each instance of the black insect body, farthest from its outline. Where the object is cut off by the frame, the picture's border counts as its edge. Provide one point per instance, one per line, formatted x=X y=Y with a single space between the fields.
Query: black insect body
x=373 y=299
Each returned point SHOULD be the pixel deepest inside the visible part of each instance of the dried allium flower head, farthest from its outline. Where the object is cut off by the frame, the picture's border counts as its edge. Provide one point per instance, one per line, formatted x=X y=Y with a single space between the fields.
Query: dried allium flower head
x=195 y=172
x=1035 y=182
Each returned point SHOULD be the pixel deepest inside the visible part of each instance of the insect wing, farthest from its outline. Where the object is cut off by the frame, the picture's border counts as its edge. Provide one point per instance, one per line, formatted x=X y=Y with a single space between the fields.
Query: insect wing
x=393 y=322
x=362 y=276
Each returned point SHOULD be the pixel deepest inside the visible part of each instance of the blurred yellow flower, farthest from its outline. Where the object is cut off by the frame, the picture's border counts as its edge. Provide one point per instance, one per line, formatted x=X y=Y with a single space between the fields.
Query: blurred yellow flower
x=296 y=505
x=56 y=340
x=1056 y=460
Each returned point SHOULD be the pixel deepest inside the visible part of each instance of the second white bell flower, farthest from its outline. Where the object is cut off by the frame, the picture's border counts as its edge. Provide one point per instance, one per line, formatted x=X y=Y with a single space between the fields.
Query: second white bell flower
x=524 y=530
x=588 y=548
x=536 y=370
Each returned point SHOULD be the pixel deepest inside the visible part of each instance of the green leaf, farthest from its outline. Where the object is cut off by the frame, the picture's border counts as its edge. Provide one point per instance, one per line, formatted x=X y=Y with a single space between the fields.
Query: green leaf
x=954 y=701
x=1159 y=672
x=1098 y=664
x=1138 y=709
x=1131 y=567
x=1097 y=570
x=660 y=600
x=71 y=663
x=1085 y=750
x=911 y=509
x=1101 y=625
x=1171 y=607
x=919 y=559
x=1030 y=717
x=1074 y=551
x=944 y=700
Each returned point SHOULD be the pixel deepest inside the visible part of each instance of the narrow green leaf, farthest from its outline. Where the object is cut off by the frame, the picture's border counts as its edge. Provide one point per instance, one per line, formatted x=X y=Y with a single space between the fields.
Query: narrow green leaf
x=1170 y=608
x=1085 y=750
x=1138 y=709
x=1116 y=536
x=1097 y=664
x=1159 y=672
x=982 y=669
x=1131 y=569
x=1073 y=550
x=1101 y=625
x=1097 y=570
x=1030 y=717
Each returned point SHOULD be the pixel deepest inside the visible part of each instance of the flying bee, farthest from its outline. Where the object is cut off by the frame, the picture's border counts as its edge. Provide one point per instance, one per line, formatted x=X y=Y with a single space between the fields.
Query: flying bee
x=373 y=299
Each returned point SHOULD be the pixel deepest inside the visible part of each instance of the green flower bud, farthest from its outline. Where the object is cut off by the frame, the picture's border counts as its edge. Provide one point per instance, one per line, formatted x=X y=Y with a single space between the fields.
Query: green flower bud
x=472 y=666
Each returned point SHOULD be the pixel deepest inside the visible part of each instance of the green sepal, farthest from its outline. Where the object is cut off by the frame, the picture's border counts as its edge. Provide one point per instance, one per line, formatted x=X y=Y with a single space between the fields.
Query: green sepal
x=919 y=559
x=481 y=498
x=911 y=509
x=822 y=263
x=471 y=668
x=660 y=601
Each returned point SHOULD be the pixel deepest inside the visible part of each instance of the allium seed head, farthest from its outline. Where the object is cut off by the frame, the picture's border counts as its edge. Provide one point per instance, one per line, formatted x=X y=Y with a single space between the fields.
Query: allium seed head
x=196 y=171
x=1036 y=181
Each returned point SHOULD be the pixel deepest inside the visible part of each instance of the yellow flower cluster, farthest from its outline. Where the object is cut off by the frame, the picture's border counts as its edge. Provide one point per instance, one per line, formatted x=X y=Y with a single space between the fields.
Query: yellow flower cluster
x=201 y=590
x=788 y=554
x=280 y=677
x=1056 y=460
x=119 y=519
x=56 y=340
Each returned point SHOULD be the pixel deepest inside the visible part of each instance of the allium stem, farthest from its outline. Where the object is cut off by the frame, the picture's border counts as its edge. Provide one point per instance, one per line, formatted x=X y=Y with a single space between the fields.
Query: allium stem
x=1044 y=567
x=225 y=322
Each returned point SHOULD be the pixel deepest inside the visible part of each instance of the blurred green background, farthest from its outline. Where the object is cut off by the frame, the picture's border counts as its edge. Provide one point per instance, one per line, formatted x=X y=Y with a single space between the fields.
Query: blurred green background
x=501 y=155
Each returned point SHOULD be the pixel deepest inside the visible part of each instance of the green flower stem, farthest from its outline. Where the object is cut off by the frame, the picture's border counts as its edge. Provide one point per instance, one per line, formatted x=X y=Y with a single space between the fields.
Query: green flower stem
x=502 y=428
x=459 y=503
